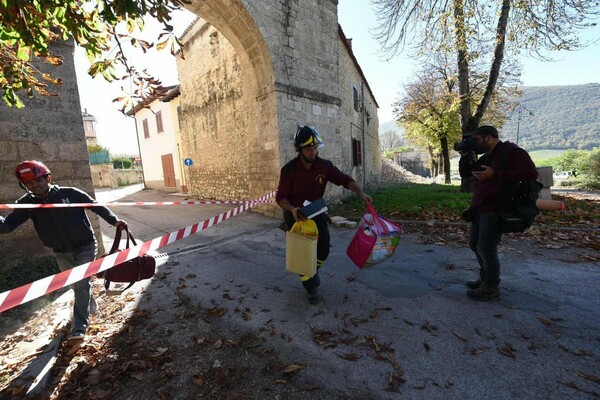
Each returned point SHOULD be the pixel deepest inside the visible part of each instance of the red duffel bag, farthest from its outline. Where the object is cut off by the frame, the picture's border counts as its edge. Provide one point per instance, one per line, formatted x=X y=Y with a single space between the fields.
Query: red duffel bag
x=134 y=270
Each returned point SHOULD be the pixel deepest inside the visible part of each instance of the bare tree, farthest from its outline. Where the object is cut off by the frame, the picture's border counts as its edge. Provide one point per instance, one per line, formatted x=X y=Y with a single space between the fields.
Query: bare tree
x=390 y=140
x=457 y=26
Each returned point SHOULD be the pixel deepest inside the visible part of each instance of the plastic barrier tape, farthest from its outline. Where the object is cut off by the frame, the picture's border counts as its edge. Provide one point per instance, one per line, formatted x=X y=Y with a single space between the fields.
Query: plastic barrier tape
x=120 y=204
x=41 y=287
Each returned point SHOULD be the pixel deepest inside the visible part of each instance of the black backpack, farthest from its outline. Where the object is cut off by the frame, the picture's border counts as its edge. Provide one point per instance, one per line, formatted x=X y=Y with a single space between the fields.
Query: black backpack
x=523 y=209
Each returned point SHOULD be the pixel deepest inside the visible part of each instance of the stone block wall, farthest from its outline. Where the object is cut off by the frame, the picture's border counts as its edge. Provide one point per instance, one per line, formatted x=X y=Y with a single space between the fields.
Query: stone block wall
x=217 y=117
x=49 y=129
x=228 y=120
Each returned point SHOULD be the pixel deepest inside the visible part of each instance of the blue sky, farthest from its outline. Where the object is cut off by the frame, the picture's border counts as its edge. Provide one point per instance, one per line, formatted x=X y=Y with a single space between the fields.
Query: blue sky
x=386 y=78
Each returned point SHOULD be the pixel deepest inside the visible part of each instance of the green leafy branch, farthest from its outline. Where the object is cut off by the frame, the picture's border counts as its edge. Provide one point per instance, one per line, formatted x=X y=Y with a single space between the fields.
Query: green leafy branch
x=29 y=27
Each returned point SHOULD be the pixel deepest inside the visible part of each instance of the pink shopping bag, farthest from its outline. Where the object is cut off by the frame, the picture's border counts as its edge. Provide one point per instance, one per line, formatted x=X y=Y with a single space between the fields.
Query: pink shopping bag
x=360 y=247
x=375 y=240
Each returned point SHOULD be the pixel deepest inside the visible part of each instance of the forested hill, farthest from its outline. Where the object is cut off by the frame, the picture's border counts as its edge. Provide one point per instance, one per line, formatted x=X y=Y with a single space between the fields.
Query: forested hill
x=564 y=117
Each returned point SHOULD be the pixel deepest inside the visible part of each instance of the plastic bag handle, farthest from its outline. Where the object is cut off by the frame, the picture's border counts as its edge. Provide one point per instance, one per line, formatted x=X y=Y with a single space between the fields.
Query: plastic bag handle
x=377 y=220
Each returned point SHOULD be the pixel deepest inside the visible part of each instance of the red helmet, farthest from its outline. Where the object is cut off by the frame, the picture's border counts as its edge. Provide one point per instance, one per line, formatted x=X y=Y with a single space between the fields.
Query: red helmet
x=30 y=170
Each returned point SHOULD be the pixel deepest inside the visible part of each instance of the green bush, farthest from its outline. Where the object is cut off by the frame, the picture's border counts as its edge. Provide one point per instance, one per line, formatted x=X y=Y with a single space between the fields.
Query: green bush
x=590 y=169
x=583 y=165
x=24 y=273
x=121 y=163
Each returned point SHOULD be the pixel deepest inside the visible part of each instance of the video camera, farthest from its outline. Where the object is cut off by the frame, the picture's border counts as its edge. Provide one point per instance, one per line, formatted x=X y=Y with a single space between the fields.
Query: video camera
x=466 y=144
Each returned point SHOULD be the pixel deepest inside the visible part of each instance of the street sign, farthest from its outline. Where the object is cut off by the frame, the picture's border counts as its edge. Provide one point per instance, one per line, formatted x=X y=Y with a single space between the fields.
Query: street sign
x=188 y=162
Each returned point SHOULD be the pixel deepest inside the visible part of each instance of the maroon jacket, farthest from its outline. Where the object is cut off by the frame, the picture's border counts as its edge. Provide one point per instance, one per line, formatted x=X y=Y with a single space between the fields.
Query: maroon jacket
x=511 y=164
x=297 y=183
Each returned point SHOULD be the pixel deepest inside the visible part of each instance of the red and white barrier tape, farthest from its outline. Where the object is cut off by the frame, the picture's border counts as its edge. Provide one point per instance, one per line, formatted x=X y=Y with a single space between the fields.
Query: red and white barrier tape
x=41 y=287
x=120 y=204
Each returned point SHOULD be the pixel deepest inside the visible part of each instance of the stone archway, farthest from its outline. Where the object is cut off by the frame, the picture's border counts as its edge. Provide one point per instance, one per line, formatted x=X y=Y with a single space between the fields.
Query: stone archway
x=235 y=123
x=288 y=58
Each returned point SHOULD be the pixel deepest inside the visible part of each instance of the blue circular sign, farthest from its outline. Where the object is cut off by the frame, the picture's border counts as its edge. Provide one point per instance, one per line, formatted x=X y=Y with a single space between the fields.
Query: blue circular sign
x=188 y=162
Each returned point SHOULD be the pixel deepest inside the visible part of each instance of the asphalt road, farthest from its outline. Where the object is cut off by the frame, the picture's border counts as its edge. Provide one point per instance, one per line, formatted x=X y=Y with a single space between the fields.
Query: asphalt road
x=540 y=341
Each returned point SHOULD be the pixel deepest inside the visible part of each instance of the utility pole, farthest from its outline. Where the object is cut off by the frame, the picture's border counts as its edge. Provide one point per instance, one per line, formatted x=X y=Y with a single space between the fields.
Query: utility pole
x=521 y=108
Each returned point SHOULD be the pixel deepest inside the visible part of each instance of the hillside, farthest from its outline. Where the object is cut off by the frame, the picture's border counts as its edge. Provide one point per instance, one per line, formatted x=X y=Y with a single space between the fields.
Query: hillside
x=563 y=117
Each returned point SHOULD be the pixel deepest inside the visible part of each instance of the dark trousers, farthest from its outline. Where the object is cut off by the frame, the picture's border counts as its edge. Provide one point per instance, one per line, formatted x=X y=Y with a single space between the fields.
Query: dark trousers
x=483 y=240
x=310 y=284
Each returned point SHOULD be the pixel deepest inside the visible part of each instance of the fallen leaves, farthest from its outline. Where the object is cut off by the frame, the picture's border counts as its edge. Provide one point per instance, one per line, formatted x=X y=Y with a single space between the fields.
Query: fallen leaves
x=477 y=351
x=544 y=321
x=349 y=357
x=589 y=377
x=395 y=380
x=459 y=336
x=508 y=350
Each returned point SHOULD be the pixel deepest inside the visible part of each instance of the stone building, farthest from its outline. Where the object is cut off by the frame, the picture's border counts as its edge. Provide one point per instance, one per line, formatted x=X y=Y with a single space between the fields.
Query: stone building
x=252 y=73
x=48 y=129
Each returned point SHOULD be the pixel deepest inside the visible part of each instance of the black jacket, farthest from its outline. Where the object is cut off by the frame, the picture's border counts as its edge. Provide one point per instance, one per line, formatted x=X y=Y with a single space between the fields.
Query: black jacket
x=61 y=229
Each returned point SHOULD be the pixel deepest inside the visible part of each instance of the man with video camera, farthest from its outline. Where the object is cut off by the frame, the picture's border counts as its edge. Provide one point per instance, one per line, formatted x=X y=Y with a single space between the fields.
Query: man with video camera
x=497 y=173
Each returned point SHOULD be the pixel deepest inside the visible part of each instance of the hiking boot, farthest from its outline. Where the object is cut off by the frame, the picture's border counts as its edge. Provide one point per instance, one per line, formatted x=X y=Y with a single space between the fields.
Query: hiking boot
x=473 y=284
x=313 y=297
x=484 y=293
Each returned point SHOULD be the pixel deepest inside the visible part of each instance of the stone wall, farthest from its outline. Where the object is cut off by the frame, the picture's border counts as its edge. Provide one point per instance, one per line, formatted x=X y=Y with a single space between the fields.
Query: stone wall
x=106 y=176
x=361 y=124
x=216 y=116
x=233 y=126
x=49 y=129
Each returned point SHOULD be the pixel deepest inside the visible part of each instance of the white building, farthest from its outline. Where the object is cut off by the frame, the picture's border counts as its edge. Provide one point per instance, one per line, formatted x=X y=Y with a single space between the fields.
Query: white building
x=157 y=126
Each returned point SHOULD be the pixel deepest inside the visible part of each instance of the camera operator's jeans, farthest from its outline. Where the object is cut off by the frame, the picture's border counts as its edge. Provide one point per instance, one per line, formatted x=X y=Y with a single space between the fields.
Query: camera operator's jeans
x=483 y=240
x=84 y=301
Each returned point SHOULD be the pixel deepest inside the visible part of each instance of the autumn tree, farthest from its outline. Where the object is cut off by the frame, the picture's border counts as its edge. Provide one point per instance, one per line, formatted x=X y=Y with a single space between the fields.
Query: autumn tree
x=431 y=106
x=459 y=26
x=429 y=114
x=102 y=27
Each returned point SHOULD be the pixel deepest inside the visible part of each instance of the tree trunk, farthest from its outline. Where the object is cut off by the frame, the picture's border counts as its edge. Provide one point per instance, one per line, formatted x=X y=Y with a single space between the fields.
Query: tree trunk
x=464 y=89
x=445 y=159
x=496 y=63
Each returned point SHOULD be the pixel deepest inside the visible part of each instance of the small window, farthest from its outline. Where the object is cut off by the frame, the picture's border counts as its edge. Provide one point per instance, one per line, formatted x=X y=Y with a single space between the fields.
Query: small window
x=356 y=152
x=355 y=91
x=146 y=130
x=159 y=124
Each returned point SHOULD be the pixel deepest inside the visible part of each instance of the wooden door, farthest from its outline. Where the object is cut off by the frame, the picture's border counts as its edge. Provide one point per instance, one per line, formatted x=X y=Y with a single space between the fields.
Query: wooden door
x=168 y=171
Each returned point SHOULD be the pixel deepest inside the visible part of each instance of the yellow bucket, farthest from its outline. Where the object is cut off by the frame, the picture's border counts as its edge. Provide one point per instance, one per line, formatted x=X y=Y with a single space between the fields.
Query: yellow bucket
x=300 y=254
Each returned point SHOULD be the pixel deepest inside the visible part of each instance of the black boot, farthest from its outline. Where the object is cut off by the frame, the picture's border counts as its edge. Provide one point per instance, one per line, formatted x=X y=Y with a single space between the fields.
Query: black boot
x=473 y=284
x=484 y=293
x=311 y=288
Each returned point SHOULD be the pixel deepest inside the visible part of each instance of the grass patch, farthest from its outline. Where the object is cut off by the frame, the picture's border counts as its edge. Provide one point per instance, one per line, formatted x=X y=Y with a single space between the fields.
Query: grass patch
x=410 y=201
x=25 y=273
x=426 y=202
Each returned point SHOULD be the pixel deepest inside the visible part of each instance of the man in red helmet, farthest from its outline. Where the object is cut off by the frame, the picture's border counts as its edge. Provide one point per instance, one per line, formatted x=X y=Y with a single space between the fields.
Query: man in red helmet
x=305 y=178
x=67 y=231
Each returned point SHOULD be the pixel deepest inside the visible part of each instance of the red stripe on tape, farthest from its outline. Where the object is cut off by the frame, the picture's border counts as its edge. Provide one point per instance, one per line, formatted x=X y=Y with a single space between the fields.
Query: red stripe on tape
x=17 y=296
